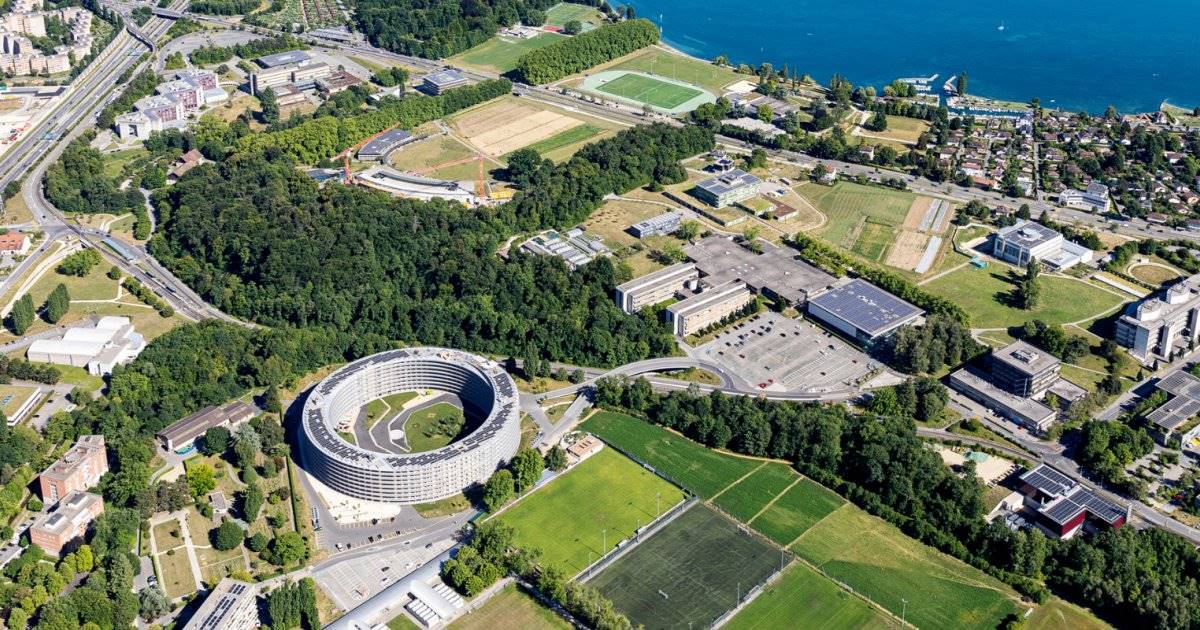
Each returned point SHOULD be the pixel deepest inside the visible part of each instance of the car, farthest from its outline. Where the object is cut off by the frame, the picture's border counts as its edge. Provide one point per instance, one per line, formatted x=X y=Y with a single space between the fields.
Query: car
x=429 y=546
x=384 y=580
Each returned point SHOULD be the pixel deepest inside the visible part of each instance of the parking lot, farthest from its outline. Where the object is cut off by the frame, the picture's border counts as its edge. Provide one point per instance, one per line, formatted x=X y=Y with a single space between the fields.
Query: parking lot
x=777 y=353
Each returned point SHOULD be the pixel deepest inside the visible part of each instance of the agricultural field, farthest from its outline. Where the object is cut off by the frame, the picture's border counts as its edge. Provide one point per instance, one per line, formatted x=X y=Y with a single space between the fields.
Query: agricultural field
x=644 y=89
x=802 y=598
x=985 y=295
x=504 y=125
x=1057 y=613
x=879 y=561
x=655 y=60
x=439 y=156
x=511 y=609
x=795 y=511
x=744 y=499
x=499 y=54
x=863 y=219
x=560 y=14
x=690 y=572
x=601 y=501
x=699 y=469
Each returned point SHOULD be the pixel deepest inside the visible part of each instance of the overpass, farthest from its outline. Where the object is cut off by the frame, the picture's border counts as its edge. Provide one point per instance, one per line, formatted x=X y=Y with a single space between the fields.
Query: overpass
x=167 y=13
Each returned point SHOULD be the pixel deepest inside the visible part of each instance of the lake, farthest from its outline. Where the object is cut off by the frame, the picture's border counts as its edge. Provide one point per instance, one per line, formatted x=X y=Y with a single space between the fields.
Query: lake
x=1072 y=54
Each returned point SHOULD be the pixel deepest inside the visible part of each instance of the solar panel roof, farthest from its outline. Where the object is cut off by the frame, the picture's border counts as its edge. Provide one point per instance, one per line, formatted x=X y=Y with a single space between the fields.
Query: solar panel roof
x=866 y=306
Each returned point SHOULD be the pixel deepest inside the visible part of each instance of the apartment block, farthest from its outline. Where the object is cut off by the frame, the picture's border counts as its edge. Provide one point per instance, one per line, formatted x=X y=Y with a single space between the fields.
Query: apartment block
x=77 y=470
x=66 y=522
x=656 y=287
x=709 y=307
x=1158 y=326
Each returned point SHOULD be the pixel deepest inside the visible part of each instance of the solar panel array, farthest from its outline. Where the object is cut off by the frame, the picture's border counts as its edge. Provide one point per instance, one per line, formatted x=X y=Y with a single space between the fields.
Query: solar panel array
x=865 y=306
x=216 y=617
x=1048 y=480
x=1079 y=500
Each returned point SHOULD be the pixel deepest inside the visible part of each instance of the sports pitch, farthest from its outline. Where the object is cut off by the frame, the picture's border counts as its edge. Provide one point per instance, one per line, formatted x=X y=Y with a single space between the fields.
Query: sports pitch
x=599 y=502
x=644 y=89
x=689 y=573
x=802 y=598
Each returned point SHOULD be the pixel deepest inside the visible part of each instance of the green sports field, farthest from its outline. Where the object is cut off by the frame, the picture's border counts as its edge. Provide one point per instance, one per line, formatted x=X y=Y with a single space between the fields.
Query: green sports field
x=643 y=89
x=804 y=599
x=699 y=469
x=745 y=498
x=879 y=561
x=500 y=54
x=801 y=507
x=689 y=573
x=511 y=609
x=601 y=501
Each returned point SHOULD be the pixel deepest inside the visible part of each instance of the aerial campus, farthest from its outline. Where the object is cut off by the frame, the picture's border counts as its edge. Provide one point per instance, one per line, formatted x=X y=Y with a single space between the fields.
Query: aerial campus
x=507 y=314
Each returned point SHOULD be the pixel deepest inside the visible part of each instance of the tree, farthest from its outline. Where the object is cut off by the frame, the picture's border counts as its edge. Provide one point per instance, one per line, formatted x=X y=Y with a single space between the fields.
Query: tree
x=765 y=113
x=573 y=27
x=527 y=466
x=22 y=315
x=258 y=542
x=270 y=106
x=201 y=479
x=57 y=304
x=227 y=535
x=556 y=459
x=252 y=502
x=962 y=84
x=114 y=273
x=152 y=603
x=215 y=442
x=287 y=549
x=12 y=189
x=80 y=263
x=756 y=159
x=498 y=490
x=818 y=171
x=583 y=51
x=688 y=230
x=878 y=122
x=1029 y=290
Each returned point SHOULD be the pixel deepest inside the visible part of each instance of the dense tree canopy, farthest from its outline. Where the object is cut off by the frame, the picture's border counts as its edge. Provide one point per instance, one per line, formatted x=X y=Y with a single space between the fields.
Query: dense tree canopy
x=578 y=53
x=440 y=28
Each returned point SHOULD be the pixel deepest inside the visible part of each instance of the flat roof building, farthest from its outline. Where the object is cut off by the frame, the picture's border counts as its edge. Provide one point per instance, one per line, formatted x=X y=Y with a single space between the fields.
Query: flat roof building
x=230 y=605
x=1177 y=421
x=1025 y=240
x=112 y=341
x=382 y=145
x=730 y=187
x=337 y=81
x=68 y=521
x=708 y=307
x=656 y=287
x=1063 y=506
x=77 y=470
x=1027 y=412
x=575 y=247
x=284 y=58
x=183 y=433
x=1158 y=326
x=863 y=311
x=777 y=272
x=1020 y=368
x=662 y=224
x=438 y=82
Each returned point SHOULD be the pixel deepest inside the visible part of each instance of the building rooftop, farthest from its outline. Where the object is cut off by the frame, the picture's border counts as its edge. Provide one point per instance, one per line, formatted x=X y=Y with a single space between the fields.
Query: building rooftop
x=221 y=601
x=726 y=182
x=1077 y=500
x=866 y=306
x=667 y=273
x=444 y=78
x=1153 y=312
x=66 y=465
x=1026 y=408
x=1025 y=358
x=196 y=424
x=283 y=58
x=1027 y=234
x=12 y=241
x=777 y=269
x=76 y=508
x=703 y=300
x=384 y=142
x=1048 y=481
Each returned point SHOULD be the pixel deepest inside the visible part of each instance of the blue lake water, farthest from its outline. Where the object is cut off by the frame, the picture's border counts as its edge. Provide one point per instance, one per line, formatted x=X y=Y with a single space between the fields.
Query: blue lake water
x=1072 y=54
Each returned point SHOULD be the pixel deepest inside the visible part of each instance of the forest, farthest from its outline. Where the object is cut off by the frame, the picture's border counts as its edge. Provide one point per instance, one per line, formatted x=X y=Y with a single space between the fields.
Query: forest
x=223 y=7
x=434 y=29
x=77 y=183
x=1137 y=579
x=586 y=50
x=252 y=49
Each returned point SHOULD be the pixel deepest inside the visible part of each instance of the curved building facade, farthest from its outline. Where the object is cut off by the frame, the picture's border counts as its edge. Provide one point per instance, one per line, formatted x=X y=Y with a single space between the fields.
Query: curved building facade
x=413 y=477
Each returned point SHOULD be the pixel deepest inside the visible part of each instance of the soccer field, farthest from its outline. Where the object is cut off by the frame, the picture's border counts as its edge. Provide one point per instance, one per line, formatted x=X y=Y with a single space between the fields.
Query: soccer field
x=643 y=89
x=689 y=573
x=599 y=502
x=804 y=599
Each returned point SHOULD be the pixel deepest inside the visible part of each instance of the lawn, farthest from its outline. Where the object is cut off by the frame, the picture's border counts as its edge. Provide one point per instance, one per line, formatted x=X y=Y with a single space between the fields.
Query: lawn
x=167 y=535
x=511 y=609
x=600 y=502
x=984 y=294
x=560 y=14
x=876 y=559
x=803 y=598
x=750 y=495
x=176 y=576
x=425 y=155
x=900 y=129
x=1156 y=274
x=433 y=427
x=562 y=139
x=798 y=509
x=444 y=507
x=388 y=405
x=658 y=61
x=500 y=54
x=873 y=240
x=649 y=90
x=690 y=572
x=1057 y=613
x=848 y=205
x=699 y=469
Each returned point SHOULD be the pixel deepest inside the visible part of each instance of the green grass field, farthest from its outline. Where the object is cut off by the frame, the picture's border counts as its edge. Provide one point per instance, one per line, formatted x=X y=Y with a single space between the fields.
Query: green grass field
x=644 y=89
x=563 y=12
x=873 y=240
x=984 y=294
x=792 y=514
x=699 y=469
x=802 y=598
x=511 y=609
x=388 y=405
x=745 y=498
x=689 y=573
x=879 y=561
x=566 y=519
x=562 y=139
x=433 y=427
x=500 y=54
x=847 y=205
x=1057 y=613
x=682 y=68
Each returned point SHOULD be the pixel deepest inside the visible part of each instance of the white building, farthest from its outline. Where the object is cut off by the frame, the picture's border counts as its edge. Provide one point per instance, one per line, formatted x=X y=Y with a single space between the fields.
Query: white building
x=172 y=103
x=1158 y=326
x=230 y=605
x=18 y=55
x=1025 y=240
x=112 y=342
x=1095 y=197
x=656 y=287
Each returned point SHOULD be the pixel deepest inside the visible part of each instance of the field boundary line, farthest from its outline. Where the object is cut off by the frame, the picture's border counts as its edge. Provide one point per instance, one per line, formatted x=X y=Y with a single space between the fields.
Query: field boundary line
x=737 y=481
x=645 y=533
x=814 y=525
x=799 y=478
